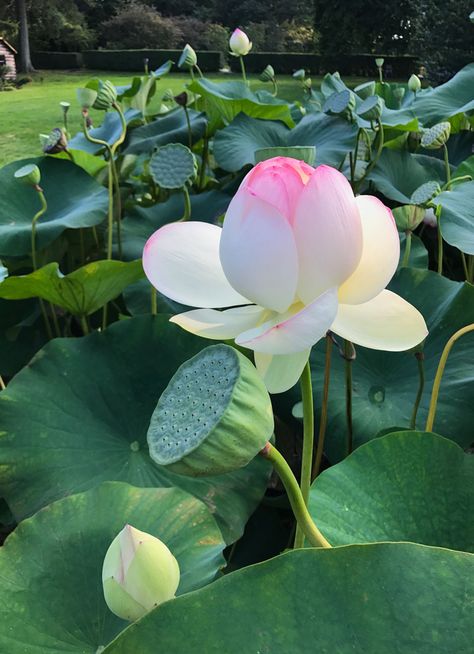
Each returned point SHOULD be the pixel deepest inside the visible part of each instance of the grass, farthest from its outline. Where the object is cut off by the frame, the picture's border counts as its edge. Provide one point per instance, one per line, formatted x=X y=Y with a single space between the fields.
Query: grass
x=34 y=108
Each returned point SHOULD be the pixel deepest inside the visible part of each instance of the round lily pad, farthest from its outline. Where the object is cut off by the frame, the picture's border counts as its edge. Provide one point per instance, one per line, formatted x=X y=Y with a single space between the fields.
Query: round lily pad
x=361 y=599
x=74 y=200
x=405 y=486
x=51 y=597
x=173 y=166
x=79 y=414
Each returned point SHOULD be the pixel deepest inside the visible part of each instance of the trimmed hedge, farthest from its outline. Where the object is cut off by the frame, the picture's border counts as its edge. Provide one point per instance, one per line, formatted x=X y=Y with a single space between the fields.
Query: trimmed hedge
x=132 y=60
x=57 y=60
x=362 y=65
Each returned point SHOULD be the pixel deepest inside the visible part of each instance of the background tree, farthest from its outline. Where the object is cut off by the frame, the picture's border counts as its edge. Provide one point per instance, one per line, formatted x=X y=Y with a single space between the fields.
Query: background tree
x=25 y=65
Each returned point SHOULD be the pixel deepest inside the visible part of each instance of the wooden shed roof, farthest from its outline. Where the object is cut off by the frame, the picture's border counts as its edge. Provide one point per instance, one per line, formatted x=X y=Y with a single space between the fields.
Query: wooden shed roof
x=5 y=42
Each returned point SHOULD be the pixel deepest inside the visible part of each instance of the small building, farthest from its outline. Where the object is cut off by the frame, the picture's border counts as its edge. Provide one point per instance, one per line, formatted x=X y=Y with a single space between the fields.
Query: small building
x=7 y=58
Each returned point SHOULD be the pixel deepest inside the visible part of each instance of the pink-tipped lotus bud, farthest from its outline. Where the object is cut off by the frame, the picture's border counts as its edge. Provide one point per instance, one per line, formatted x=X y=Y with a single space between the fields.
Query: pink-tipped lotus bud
x=239 y=43
x=139 y=573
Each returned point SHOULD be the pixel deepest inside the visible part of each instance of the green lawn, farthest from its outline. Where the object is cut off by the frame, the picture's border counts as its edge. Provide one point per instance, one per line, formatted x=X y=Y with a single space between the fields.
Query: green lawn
x=34 y=109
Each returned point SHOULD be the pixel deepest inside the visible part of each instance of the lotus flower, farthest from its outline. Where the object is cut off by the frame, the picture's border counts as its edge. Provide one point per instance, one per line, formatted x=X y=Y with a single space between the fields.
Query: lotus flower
x=298 y=255
x=139 y=572
x=239 y=43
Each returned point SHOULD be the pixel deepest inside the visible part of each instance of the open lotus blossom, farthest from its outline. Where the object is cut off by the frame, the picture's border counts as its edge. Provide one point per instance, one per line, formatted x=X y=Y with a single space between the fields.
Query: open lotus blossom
x=298 y=255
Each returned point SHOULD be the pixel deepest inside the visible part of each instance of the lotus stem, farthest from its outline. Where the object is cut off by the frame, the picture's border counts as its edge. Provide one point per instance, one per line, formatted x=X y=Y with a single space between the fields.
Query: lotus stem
x=188 y=123
x=36 y=217
x=406 y=256
x=308 y=443
x=420 y=357
x=2 y=384
x=324 y=408
x=187 y=205
x=439 y=374
x=242 y=67
x=305 y=523
x=440 y=240
x=446 y=164
x=84 y=325
x=349 y=356
x=154 y=308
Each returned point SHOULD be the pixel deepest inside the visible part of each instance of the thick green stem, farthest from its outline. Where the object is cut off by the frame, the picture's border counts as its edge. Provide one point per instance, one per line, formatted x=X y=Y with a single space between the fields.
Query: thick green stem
x=439 y=374
x=275 y=88
x=84 y=325
x=2 y=384
x=380 y=134
x=406 y=256
x=440 y=244
x=187 y=205
x=324 y=408
x=242 y=67
x=446 y=165
x=154 y=306
x=205 y=155
x=349 y=356
x=420 y=357
x=308 y=442
x=117 y=206
x=304 y=521
x=36 y=217
x=123 y=124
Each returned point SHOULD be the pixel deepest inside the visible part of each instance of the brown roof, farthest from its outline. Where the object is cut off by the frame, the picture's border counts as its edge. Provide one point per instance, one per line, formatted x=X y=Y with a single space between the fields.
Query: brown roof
x=5 y=42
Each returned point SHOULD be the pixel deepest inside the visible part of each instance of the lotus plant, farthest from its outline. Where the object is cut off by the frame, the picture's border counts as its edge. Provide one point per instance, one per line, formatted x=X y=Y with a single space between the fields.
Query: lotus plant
x=240 y=45
x=298 y=255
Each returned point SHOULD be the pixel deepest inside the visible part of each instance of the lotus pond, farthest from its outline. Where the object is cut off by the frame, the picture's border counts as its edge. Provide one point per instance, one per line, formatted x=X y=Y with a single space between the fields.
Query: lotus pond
x=236 y=370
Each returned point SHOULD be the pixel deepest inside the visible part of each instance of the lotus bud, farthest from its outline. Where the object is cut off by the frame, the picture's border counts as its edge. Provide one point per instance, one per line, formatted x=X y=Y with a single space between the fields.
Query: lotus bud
x=267 y=74
x=139 y=573
x=408 y=217
x=29 y=175
x=86 y=97
x=65 y=106
x=55 y=142
x=299 y=74
x=414 y=83
x=379 y=62
x=188 y=58
x=430 y=218
x=239 y=43
x=435 y=137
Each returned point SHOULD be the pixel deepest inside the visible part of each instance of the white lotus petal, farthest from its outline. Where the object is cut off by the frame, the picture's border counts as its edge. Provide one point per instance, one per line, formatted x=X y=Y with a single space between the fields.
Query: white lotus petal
x=182 y=261
x=219 y=325
x=295 y=331
x=387 y=322
x=281 y=371
x=258 y=252
x=380 y=253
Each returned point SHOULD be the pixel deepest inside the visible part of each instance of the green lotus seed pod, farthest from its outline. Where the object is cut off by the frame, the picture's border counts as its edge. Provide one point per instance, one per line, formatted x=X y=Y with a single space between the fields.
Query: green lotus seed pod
x=399 y=94
x=436 y=136
x=424 y=193
x=371 y=108
x=408 y=217
x=29 y=175
x=379 y=62
x=188 y=58
x=65 y=106
x=139 y=573
x=340 y=103
x=414 y=83
x=267 y=74
x=173 y=166
x=299 y=74
x=86 y=97
x=214 y=416
x=55 y=142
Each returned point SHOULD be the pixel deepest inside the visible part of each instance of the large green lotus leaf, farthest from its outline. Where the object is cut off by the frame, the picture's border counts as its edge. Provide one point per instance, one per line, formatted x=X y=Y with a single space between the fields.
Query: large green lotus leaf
x=235 y=145
x=406 y=486
x=109 y=131
x=457 y=216
x=385 y=384
x=465 y=168
x=51 y=597
x=74 y=200
x=140 y=222
x=403 y=120
x=225 y=100
x=447 y=100
x=398 y=173
x=171 y=128
x=361 y=599
x=78 y=415
x=22 y=334
x=88 y=162
x=81 y=292
x=460 y=148
x=137 y=299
